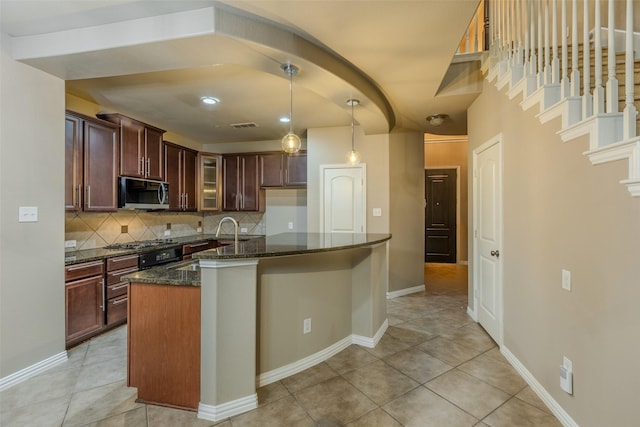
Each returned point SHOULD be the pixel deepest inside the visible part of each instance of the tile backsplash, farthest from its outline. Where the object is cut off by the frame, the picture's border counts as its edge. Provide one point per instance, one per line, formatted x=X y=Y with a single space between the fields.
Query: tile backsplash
x=97 y=229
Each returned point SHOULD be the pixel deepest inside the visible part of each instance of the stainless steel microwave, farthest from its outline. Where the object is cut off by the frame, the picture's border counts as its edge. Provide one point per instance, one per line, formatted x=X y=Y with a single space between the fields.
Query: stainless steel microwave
x=136 y=193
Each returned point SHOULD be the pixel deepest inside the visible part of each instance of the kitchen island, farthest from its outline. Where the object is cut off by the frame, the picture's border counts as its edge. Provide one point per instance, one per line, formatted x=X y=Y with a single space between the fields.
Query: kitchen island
x=269 y=308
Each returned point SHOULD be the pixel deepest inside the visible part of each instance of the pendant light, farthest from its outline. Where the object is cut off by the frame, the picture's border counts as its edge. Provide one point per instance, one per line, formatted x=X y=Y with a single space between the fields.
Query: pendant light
x=353 y=157
x=290 y=142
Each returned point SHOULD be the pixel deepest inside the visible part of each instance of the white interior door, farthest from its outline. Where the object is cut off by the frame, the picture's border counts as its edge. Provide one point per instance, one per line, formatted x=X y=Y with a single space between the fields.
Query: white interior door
x=488 y=237
x=343 y=199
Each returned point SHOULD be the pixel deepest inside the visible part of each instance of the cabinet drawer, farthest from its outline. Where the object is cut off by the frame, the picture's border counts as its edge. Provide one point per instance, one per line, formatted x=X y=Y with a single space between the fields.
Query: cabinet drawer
x=85 y=269
x=117 y=289
x=117 y=309
x=196 y=247
x=121 y=262
x=114 y=276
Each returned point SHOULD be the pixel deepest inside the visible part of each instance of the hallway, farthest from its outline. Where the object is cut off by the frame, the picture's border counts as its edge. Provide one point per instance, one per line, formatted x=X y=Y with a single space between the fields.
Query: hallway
x=433 y=367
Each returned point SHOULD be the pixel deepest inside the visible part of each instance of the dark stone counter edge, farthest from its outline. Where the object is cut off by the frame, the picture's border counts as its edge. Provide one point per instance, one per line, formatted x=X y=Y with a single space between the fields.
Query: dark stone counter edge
x=213 y=254
x=169 y=274
x=87 y=255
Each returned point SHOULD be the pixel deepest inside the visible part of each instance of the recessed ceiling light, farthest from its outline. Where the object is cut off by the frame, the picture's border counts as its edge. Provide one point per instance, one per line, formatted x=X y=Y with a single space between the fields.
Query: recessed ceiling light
x=284 y=119
x=209 y=100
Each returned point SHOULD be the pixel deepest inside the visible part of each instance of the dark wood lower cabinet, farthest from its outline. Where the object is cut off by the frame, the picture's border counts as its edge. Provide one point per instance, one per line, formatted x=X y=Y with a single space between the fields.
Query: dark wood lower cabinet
x=164 y=344
x=84 y=296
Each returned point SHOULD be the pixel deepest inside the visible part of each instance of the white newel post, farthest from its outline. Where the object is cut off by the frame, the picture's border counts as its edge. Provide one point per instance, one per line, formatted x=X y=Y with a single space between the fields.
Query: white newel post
x=598 y=91
x=630 y=111
x=612 y=81
x=587 y=99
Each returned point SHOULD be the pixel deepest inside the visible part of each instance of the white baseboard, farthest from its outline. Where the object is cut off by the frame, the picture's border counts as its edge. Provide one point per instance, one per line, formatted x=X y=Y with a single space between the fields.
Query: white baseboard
x=406 y=291
x=30 y=371
x=227 y=409
x=319 y=357
x=543 y=394
x=370 y=342
x=472 y=314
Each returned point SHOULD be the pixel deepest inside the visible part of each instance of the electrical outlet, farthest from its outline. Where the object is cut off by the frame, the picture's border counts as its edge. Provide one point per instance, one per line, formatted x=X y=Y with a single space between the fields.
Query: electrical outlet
x=167 y=232
x=69 y=243
x=566 y=280
x=290 y=226
x=566 y=375
x=243 y=229
x=199 y=230
x=306 y=326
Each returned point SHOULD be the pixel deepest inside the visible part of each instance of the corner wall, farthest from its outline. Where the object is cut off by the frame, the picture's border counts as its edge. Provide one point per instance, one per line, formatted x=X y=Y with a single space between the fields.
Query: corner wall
x=32 y=300
x=406 y=184
x=560 y=212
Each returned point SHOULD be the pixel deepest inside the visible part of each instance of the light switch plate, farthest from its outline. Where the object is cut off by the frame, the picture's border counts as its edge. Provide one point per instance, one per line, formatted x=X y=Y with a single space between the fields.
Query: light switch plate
x=566 y=280
x=28 y=214
x=377 y=211
x=69 y=243
x=290 y=226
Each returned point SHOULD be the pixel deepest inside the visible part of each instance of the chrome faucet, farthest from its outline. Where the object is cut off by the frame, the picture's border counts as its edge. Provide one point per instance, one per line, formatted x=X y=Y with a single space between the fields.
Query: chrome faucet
x=235 y=223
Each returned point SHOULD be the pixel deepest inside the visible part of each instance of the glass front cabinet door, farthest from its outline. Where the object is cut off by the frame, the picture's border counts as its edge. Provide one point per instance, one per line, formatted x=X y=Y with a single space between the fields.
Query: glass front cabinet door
x=209 y=182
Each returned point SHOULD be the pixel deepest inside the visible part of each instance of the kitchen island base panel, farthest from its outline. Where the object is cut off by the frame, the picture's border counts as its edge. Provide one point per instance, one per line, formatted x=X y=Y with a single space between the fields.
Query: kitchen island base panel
x=228 y=338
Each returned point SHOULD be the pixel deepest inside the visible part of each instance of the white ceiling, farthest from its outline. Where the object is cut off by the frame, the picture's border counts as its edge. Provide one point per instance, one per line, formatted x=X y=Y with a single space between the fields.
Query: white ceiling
x=154 y=59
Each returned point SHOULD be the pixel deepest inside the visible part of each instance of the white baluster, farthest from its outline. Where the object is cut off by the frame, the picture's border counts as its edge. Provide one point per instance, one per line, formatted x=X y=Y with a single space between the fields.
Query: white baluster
x=612 y=81
x=587 y=99
x=525 y=20
x=598 y=90
x=534 y=48
x=547 y=60
x=630 y=112
x=555 y=62
x=575 y=73
x=540 y=48
x=564 y=79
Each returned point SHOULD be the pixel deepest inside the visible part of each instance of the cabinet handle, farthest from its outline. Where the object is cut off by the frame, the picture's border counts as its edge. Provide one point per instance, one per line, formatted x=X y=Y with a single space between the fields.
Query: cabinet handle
x=124 y=258
x=148 y=166
x=181 y=201
x=115 y=288
x=186 y=203
x=141 y=166
x=88 y=196
x=81 y=266
x=198 y=245
x=119 y=301
x=102 y=292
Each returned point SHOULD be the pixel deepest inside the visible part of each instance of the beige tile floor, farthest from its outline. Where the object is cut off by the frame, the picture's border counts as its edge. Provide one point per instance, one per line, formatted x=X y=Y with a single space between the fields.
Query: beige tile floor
x=433 y=367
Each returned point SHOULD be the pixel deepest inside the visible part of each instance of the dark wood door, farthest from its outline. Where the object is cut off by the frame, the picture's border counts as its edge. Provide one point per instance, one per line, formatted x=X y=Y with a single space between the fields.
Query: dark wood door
x=440 y=215
x=172 y=172
x=131 y=148
x=153 y=153
x=271 y=170
x=230 y=177
x=73 y=163
x=296 y=172
x=84 y=311
x=250 y=185
x=189 y=170
x=100 y=167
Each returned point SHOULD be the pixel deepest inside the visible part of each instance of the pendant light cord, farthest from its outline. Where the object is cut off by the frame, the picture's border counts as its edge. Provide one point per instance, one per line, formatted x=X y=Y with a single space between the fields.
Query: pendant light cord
x=352 y=129
x=290 y=100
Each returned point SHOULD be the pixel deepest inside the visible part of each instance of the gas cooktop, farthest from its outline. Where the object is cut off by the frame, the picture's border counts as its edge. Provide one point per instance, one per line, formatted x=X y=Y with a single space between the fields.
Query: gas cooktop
x=139 y=244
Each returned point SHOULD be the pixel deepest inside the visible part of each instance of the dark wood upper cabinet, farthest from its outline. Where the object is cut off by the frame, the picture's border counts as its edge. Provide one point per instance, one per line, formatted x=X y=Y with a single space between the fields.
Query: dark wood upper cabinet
x=180 y=165
x=296 y=170
x=271 y=170
x=141 y=149
x=73 y=164
x=283 y=170
x=241 y=189
x=91 y=164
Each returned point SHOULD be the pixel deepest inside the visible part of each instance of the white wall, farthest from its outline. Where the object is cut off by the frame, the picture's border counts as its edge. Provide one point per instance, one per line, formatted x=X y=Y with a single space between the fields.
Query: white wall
x=32 y=166
x=286 y=206
x=561 y=212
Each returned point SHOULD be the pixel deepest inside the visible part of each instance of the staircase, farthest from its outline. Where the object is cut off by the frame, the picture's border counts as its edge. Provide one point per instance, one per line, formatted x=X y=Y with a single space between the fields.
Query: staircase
x=522 y=58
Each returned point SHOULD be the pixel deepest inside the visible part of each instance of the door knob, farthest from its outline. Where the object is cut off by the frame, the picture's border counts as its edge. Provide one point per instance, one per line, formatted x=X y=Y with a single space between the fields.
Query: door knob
x=495 y=253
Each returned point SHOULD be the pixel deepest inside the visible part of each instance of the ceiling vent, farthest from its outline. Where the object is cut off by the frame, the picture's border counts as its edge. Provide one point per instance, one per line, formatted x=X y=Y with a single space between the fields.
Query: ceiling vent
x=244 y=125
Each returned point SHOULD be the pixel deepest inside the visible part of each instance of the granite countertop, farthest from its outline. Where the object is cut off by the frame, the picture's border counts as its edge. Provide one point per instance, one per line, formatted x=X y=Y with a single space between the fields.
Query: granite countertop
x=187 y=273
x=85 y=255
x=291 y=244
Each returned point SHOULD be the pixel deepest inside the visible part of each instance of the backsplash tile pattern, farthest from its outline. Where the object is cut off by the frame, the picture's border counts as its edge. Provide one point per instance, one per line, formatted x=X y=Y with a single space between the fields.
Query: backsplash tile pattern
x=97 y=229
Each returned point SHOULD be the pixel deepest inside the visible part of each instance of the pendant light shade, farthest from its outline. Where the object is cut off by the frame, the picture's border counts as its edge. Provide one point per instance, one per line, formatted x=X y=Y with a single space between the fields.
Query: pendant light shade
x=353 y=157
x=290 y=142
